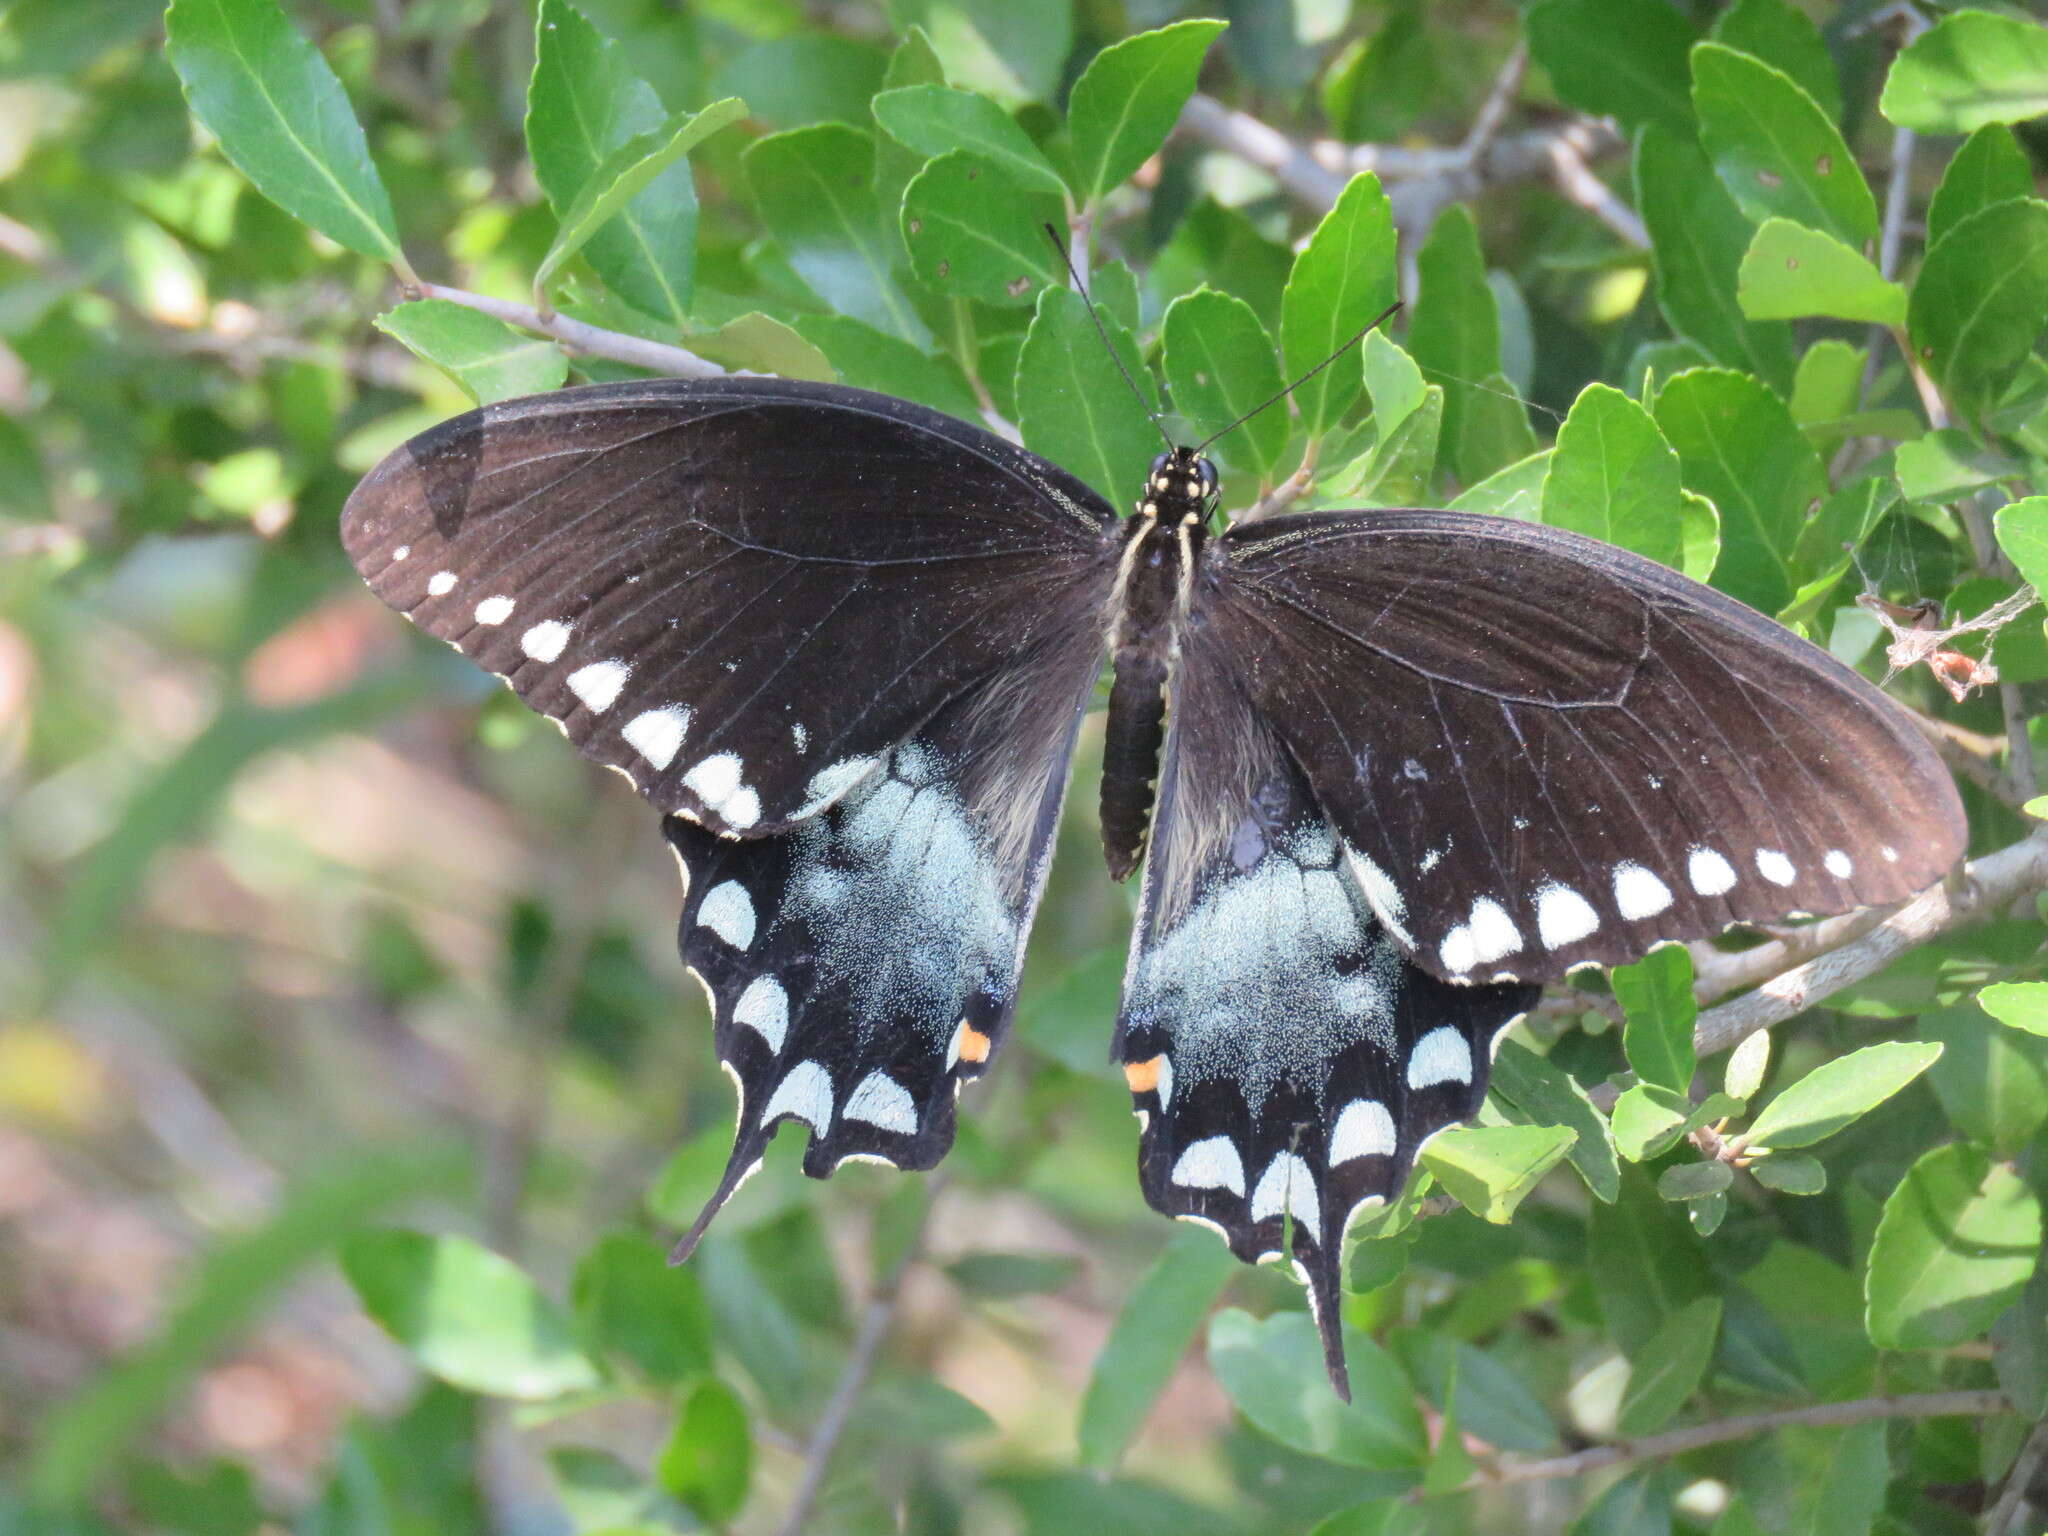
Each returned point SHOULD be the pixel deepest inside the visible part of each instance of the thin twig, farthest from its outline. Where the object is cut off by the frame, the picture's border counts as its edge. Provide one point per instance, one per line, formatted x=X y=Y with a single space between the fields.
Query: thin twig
x=1494 y=110
x=591 y=340
x=1676 y=1442
x=1575 y=179
x=1969 y=754
x=1288 y=491
x=2004 y=1519
x=860 y=1365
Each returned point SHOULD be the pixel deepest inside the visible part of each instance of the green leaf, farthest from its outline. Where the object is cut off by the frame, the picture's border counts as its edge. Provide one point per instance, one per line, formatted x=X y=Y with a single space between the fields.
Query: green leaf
x=1013 y=52
x=1613 y=477
x=1220 y=364
x=1785 y=38
x=2022 y=528
x=583 y=103
x=1342 y=279
x=2019 y=1348
x=1697 y=241
x=283 y=119
x=1646 y=1262
x=763 y=344
x=870 y=359
x=1656 y=997
x=1516 y=491
x=1648 y=1121
x=1947 y=466
x=79 y=1441
x=1992 y=1083
x=488 y=358
x=1490 y=1169
x=1148 y=1341
x=1615 y=58
x=1969 y=69
x=976 y=234
x=630 y=1301
x=1273 y=1371
x=1981 y=299
x=896 y=164
x=1073 y=405
x=2020 y=1004
x=990 y=1273
x=1454 y=337
x=599 y=1492
x=1775 y=150
x=1790 y=1173
x=1739 y=447
x=468 y=1316
x=809 y=76
x=1491 y=1400
x=813 y=187
x=1397 y=470
x=937 y=120
x=1837 y=1092
x=1851 y=1492
x=1791 y=272
x=709 y=1459
x=1670 y=1367
x=1128 y=99
x=1638 y=1505
x=1958 y=1240
x=1694 y=1181
x=1539 y=1093
x=1393 y=382
x=1699 y=531
x=1989 y=167
x=1747 y=1064
x=1826 y=387
x=624 y=174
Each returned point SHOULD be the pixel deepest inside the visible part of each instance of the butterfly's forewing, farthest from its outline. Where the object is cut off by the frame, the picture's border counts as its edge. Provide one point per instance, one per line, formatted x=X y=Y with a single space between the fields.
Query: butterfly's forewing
x=1286 y=1059
x=741 y=592
x=1548 y=751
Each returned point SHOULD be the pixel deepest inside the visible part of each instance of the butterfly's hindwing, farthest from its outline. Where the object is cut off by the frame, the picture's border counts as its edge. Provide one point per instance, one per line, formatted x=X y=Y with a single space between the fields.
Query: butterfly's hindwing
x=1287 y=1060
x=1547 y=751
x=863 y=964
x=740 y=592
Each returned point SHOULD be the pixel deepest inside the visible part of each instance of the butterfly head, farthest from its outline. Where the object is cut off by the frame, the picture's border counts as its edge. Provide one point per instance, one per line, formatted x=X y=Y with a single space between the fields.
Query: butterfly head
x=1181 y=487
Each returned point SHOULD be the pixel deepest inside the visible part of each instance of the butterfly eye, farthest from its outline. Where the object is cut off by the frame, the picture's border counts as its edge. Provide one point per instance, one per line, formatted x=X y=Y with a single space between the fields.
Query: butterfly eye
x=1161 y=464
x=1210 y=484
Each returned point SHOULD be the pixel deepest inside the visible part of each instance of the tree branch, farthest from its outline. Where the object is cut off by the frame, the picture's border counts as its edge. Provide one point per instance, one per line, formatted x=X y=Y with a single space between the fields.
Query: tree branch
x=2004 y=1519
x=1923 y=1405
x=590 y=340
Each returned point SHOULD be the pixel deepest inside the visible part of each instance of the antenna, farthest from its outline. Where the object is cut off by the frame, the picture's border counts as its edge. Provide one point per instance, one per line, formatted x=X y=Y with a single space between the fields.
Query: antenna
x=1082 y=289
x=1291 y=388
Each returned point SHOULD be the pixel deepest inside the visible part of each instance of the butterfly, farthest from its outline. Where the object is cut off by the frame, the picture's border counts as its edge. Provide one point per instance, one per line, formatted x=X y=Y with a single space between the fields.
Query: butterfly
x=1387 y=772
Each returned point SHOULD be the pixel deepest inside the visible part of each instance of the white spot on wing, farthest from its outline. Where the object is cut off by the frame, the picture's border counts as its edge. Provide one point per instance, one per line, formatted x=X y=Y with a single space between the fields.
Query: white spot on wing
x=440 y=584
x=657 y=734
x=828 y=784
x=494 y=610
x=805 y=1093
x=717 y=780
x=403 y=552
x=742 y=810
x=1381 y=894
x=1288 y=1186
x=1441 y=1056
x=728 y=911
x=1709 y=872
x=1494 y=935
x=1364 y=1129
x=801 y=737
x=1563 y=916
x=546 y=640
x=598 y=684
x=1891 y=855
x=881 y=1100
x=1837 y=864
x=1638 y=893
x=1459 y=951
x=1164 y=1087
x=1775 y=867
x=1211 y=1163
x=764 y=1008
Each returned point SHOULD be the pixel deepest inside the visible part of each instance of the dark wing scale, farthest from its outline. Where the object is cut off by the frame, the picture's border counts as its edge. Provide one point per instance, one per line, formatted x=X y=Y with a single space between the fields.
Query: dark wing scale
x=1550 y=751
x=1287 y=1062
x=863 y=965
x=739 y=592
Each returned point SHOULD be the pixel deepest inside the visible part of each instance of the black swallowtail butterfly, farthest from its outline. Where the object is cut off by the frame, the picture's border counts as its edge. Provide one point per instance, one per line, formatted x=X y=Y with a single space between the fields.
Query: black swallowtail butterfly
x=1408 y=765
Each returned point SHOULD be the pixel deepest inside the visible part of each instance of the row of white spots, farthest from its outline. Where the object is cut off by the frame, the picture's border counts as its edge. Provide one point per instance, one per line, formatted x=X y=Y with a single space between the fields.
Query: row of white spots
x=717 y=782
x=545 y=641
x=598 y=684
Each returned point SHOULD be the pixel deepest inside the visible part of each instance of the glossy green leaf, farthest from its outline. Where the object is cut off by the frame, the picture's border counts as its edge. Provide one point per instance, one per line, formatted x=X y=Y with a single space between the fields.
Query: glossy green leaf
x=1220 y=363
x=624 y=174
x=974 y=233
x=937 y=120
x=1615 y=58
x=1491 y=1400
x=1128 y=99
x=1694 y=1181
x=760 y=343
x=583 y=103
x=1151 y=1334
x=1273 y=1370
x=467 y=1315
x=1775 y=150
x=1656 y=997
x=1638 y=1505
x=1948 y=465
x=1454 y=336
x=1958 y=1240
x=1981 y=299
x=1785 y=38
x=630 y=1302
x=488 y=358
x=2019 y=1348
x=813 y=187
x=1648 y=1121
x=1074 y=406
x=708 y=1461
x=1829 y=379
x=1746 y=1067
x=809 y=76
x=915 y=62
x=2022 y=529
x=1697 y=241
x=1398 y=469
x=1739 y=447
x=1341 y=281
x=1537 y=1092
x=1614 y=478
x=1670 y=1367
x=2020 y=1004
x=1012 y=52
x=1516 y=491
x=1988 y=167
x=870 y=359
x=1790 y=1173
x=1646 y=1262
x=1837 y=1092
x=1491 y=1169
x=1393 y=382
x=1971 y=68
x=1992 y=1083
x=1791 y=272
x=282 y=117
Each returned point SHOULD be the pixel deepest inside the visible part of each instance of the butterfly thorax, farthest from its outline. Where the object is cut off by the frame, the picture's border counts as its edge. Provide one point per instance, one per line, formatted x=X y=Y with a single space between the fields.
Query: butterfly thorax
x=1147 y=618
